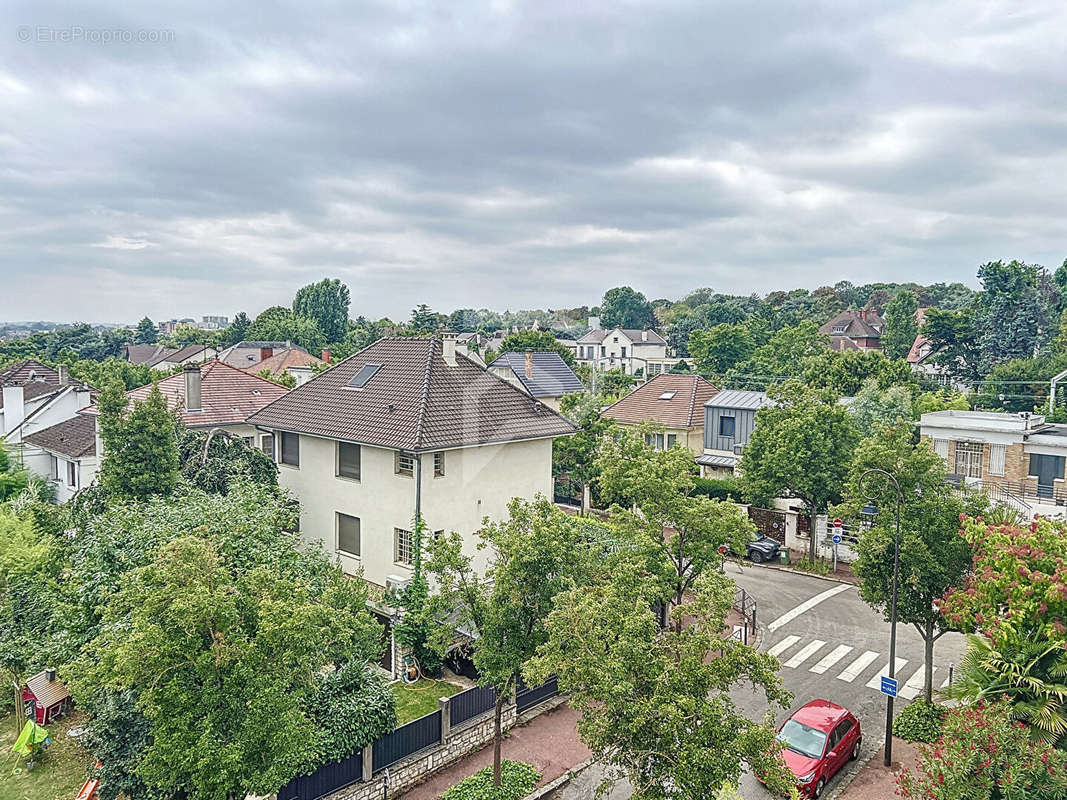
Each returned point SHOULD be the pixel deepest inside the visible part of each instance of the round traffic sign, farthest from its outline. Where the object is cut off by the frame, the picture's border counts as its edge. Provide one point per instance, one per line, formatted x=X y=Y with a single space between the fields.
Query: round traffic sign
x=837 y=538
x=837 y=522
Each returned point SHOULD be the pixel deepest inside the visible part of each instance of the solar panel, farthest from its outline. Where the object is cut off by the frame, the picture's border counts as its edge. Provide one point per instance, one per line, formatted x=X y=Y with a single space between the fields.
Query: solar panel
x=366 y=372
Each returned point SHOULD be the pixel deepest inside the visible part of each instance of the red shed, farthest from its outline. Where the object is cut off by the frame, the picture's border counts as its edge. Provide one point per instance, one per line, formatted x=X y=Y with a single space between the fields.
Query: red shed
x=49 y=696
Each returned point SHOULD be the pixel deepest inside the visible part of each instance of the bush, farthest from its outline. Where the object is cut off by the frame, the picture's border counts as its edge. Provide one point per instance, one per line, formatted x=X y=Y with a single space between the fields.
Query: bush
x=516 y=780
x=816 y=567
x=717 y=488
x=920 y=722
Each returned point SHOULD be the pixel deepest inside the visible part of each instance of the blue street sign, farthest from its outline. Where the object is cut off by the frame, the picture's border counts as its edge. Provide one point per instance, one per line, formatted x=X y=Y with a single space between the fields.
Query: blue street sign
x=889 y=686
x=837 y=538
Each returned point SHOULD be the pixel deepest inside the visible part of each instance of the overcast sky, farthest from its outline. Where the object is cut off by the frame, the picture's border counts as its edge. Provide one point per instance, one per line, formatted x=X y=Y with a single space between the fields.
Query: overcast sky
x=518 y=155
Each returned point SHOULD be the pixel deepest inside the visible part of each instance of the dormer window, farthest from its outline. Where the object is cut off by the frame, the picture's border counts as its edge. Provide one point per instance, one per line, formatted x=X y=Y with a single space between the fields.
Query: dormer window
x=839 y=328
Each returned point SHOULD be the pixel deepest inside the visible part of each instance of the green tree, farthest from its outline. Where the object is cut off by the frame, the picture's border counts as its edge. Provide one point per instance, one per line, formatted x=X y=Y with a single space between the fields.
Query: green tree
x=13 y=476
x=1015 y=311
x=655 y=707
x=326 y=302
x=847 y=371
x=146 y=332
x=780 y=358
x=424 y=320
x=538 y=553
x=610 y=384
x=942 y=400
x=954 y=341
x=717 y=350
x=224 y=665
x=279 y=324
x=140 y=444
x=801 y=447
x=539 y=342
x=933 y=557
x=238 y=328
x=901 y=326
x=873 y=408
x=575 y=456
x=983 y=755
x=214 y=460
x=463 y=320
x=624 y=307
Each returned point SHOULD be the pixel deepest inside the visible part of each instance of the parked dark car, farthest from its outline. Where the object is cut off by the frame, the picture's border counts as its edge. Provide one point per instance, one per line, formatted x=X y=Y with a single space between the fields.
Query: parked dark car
x=819 y=738
x=762 y=548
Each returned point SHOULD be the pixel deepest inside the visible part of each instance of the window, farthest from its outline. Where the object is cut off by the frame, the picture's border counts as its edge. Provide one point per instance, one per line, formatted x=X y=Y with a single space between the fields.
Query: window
x=603 y=351
x=438 y=465
x=727 y=426
x=997 y=453
x=614 y=339
x=266 y=444
x=672 y=440
x=667 y=396
x=969 y=459
x=53 y=465
x=655 y=369
x=348 y=460
x=941 y=448
x=839 y=328
x=291 y=449
x=403 y=546
x=249 y=440
x=1046 y=468
x=348 y=534
x=366 y=372
x=72 y=474
x=623 y=350
x=405 y=464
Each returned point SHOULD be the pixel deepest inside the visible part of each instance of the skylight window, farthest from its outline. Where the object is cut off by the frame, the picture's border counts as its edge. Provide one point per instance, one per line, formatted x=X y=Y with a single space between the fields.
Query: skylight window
x=366 y=372
x=667 y=396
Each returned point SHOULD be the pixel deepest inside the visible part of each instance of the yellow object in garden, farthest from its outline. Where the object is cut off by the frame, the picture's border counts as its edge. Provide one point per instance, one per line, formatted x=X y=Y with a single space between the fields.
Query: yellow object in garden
x=31 y=736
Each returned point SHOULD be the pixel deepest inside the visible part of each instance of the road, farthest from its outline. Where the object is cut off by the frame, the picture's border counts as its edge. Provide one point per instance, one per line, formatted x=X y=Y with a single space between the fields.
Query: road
x=832 y=646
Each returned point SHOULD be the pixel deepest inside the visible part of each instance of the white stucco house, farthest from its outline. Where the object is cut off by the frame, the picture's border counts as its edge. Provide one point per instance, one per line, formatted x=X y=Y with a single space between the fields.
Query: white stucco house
x=636 y=352
x=407 y=427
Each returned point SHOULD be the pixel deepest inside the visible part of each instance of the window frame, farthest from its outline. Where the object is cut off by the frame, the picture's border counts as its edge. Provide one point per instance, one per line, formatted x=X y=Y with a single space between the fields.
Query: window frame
x=998 y=459
x=338 y=461
x=672 y=440
x=439 y=464
x=282 y=449
x=733 y=425
x=973 y=462
x=338 y=515
x=72 y=474
x=266 y=444
x=399 y=534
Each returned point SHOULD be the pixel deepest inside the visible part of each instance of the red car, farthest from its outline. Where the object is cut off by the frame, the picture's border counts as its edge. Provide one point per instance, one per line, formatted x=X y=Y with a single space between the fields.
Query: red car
x=819 y=738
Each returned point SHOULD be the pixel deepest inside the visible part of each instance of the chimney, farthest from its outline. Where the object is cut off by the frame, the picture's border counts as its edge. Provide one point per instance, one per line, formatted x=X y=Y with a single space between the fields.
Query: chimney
x=265 y=353
x=529 y=363
x=644 y=336
x=192 y=388
x=64 y=376
x=14 y=407
x=325 y=355
x=50 y=674
x=448 y=348
x=594 y=323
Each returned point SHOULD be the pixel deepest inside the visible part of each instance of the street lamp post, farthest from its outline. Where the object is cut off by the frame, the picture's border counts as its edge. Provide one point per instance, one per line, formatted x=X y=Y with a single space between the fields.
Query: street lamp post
x=888 y=760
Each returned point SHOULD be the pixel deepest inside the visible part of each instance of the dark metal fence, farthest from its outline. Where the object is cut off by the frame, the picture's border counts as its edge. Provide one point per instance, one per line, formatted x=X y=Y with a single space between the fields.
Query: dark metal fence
x=326 y=779
x=471 y=703
x=567 y=491
x=745 y=605
x=529 y=696
x=768 y=522
x=407 y=739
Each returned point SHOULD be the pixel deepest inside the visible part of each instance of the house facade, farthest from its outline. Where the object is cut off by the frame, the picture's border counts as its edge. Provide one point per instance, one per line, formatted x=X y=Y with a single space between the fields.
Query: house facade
x=407 y=427
x=1017 y=458
x=543 y=376
x=294 y=361
x=729 y=419
x=675 y=402
x=855 y=329
x=636 y=352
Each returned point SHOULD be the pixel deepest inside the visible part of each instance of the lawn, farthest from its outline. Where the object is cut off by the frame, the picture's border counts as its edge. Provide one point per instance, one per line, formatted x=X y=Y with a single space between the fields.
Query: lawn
x=60 y=771
x=419 y=699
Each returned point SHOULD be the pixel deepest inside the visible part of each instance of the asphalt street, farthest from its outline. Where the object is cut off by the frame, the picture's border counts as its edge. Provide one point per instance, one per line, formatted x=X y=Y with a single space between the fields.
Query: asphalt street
x=832 y=646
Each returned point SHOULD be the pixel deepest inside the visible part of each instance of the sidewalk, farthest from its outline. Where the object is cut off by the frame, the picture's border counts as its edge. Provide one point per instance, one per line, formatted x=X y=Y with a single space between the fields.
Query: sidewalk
x=549 y=742
x=874 y=781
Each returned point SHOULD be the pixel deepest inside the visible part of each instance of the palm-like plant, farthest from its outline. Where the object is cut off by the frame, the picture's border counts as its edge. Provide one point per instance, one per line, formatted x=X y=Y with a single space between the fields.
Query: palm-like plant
x=1031 y=674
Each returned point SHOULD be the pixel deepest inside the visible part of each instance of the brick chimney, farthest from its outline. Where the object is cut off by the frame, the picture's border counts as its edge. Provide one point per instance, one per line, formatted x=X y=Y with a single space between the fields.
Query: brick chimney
x=265 y=353
x=529 y=363
x=325 y=355
x=193 y=400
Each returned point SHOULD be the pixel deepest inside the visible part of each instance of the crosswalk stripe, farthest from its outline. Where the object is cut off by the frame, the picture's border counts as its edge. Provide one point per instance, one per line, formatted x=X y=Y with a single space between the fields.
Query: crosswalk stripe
x=783 y=645
x=828 y=661
x=876 y=681
x=915 y=683
x=853 y=670
x=806 y=652
x=807 y=605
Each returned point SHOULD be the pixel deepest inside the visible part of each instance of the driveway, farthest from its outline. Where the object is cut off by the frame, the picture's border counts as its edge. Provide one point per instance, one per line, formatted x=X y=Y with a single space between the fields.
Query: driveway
x=832 y=646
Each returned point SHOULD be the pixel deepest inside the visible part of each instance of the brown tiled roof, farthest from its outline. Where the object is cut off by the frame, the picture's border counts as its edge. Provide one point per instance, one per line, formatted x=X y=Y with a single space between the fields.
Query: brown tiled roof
x=861 y=324
x=915 y=353
x=75 y=437
x=279 y=362
x=21 y=373
x=47 y=693
x=146 y=353
x=415 y=401
x=684 y=410
x=228 y=395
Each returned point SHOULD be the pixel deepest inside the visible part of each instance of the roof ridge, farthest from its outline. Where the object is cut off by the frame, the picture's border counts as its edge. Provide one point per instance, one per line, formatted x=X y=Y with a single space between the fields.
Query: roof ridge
x=692 y=401
x=425 y=401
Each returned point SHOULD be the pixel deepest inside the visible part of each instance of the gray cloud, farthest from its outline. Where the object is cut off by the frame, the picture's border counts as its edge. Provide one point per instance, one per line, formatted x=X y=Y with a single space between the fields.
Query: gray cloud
x=520 y=154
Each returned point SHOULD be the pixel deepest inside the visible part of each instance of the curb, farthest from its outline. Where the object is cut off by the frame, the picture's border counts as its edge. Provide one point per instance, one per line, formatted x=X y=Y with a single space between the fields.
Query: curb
x=844 y=779
x=829 y=578
x=562 y=780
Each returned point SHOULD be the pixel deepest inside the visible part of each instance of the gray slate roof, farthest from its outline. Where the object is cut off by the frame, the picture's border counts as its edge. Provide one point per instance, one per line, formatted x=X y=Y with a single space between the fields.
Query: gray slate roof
x=415 y=402
x=739 y=398
x=597 y=335
x=551 y=377
x=75 y=437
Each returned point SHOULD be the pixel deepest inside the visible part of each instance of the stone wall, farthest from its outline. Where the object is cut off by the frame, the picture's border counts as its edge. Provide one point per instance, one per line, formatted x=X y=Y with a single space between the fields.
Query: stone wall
x=459 y=741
